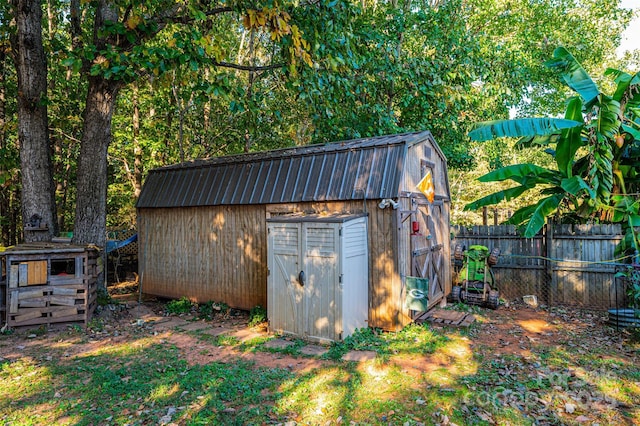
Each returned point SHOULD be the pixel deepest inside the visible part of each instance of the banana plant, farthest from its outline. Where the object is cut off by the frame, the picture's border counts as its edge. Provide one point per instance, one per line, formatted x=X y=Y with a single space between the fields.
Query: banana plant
x=607 y=128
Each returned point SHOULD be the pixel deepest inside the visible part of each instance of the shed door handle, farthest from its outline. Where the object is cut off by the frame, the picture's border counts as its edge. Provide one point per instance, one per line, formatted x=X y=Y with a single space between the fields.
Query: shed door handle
x=301 y=278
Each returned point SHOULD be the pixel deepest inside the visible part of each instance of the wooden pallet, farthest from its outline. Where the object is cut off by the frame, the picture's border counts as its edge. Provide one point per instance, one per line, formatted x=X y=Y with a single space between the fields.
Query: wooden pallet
x=445 y=317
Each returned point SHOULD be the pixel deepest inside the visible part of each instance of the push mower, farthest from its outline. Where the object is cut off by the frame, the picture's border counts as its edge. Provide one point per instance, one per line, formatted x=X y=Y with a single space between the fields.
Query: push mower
x=475 y=281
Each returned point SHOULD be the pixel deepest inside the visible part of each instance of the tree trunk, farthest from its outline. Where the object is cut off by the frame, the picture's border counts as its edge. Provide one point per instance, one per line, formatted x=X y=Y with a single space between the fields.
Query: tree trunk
x=91 y=202
x=5 y=195
x=38 y=200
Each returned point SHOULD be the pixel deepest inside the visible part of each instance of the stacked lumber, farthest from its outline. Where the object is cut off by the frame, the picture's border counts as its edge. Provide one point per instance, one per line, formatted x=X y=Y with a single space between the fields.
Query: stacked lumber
x=446 y=317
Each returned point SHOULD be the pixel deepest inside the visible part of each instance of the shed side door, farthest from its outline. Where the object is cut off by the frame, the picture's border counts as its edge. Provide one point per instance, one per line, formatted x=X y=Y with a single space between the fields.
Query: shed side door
x=427 y=251
x=285 y=294
x=322 y=292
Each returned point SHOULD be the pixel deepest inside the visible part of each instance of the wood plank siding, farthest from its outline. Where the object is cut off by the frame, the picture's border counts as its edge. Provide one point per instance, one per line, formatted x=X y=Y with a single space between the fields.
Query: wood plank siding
x=213 y=253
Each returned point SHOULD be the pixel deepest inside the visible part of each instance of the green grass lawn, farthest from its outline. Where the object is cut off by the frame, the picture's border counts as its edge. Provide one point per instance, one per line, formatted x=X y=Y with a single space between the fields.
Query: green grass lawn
x=580 y=374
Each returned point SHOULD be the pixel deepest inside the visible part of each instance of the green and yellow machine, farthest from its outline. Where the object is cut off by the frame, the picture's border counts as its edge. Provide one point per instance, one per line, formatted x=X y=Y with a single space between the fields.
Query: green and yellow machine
x=475 y=283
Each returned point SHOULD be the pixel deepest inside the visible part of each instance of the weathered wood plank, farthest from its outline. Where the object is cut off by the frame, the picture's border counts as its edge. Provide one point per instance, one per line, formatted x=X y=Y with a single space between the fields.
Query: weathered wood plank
x=65 y=280
x=13 y=276
x=60 y=313
x=13 y=302
x=23 y=279
x=467 y=321
x=62 y=300
x=33 y=303
x=69 y=318
x=31 y=293
x=448 y=315
x=64 y=291
x=28 y=316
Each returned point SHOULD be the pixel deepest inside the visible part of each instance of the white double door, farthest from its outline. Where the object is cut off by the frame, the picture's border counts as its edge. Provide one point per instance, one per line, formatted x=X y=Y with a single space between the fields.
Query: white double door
x=304 y=290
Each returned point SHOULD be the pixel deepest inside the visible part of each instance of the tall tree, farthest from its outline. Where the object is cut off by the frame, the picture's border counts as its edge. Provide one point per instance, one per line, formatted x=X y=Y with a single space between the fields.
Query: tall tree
x=120 y=50
x=91 y=201
x=38 y=200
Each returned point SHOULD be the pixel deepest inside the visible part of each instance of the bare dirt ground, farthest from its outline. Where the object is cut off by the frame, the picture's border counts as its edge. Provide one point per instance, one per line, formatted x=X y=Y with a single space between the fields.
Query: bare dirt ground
x=513 y=339
x=131 y=318
x=506 y=331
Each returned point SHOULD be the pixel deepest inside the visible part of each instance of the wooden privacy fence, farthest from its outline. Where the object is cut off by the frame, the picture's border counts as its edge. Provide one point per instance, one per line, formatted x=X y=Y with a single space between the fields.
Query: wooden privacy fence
x=563 y=265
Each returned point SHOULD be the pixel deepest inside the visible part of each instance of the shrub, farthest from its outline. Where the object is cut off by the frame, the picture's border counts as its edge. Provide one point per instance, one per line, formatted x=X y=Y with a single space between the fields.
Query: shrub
x=180 y=306
x=257 y=315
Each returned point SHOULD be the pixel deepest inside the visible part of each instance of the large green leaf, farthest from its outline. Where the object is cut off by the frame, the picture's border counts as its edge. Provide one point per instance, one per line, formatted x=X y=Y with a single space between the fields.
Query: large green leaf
x=634 y=111
x=496 y=197
x=624 y=207
x=544 y=208
x=608 y=117
x=522 y=215
x=575 y=184
x=574 y=75
x=534 y=141
x=633 y=132
x=622 y=80
x=520 y=173
x=571 y=139
x=520 y=127
x=627 y=243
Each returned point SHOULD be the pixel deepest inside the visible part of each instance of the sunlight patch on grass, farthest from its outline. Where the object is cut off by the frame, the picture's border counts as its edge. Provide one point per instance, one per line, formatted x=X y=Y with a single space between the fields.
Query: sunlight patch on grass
x=120 y=349
x=374 y=370
x=440 y=377
x=163 y=392
x=457 y=354
x=24 y=378
x=324 y=392
x=458 y=349
x=380 y=382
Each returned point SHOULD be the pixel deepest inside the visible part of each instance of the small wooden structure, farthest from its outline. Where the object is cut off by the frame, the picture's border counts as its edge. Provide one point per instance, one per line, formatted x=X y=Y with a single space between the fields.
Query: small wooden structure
x=46 y=283
x=202 y=225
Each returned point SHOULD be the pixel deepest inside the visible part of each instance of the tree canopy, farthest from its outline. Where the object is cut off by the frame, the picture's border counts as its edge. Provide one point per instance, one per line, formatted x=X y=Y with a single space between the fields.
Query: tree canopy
x=135 y=85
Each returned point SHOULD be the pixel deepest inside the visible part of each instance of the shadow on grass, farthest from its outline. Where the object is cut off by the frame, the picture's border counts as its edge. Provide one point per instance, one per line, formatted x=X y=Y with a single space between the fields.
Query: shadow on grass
x=145 y=381
x=137 y=383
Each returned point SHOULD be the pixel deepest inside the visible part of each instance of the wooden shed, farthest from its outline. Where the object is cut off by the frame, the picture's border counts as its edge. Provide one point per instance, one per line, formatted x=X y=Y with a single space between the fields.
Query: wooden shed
x=45 y=283
x=203 y=225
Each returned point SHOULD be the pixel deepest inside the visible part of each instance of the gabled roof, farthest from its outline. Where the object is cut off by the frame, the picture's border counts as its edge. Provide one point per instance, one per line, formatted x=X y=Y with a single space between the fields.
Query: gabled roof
x=368 y=168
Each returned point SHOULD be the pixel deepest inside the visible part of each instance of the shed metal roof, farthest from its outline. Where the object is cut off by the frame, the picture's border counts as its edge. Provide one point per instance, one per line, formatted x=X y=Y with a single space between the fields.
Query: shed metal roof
x=368 y=168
